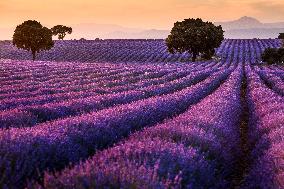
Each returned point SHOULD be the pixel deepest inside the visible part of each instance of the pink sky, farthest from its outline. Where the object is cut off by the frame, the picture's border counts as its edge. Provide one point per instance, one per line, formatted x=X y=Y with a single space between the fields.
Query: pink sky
x=159 y=14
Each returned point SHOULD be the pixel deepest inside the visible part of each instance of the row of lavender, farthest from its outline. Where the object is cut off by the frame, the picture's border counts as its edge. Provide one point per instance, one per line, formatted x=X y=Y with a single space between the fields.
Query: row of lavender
x=97 y=121
x=266 y=129
x=29 y=105
x=197 y=149
x=200 y=148
x=134 y=51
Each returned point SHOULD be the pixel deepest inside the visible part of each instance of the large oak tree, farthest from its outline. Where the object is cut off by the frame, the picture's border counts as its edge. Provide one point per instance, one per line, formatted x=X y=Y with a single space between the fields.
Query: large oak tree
x=195 y=37
x=32 y=36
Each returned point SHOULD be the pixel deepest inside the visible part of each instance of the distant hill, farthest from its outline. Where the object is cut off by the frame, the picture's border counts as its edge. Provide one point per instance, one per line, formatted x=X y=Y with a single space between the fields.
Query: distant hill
x=242 y=23
x=248 y=27
x=243 y=28
x=109 y=31
x=248 y=23
x=92 y=31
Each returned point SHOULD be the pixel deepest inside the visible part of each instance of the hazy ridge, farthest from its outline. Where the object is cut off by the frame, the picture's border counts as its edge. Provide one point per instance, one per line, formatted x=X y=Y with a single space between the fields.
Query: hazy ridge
x=243 y=28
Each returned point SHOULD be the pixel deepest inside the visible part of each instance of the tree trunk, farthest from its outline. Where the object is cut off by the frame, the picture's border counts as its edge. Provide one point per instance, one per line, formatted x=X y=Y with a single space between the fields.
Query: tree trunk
x=194 y=56
x=34 y=55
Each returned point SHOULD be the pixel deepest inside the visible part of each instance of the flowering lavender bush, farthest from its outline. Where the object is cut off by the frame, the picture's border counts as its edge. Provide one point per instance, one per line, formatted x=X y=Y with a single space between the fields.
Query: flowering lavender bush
x=184 y=152
x=140 y=117
x=86 y=133
x=140 y=51
x=266 y=135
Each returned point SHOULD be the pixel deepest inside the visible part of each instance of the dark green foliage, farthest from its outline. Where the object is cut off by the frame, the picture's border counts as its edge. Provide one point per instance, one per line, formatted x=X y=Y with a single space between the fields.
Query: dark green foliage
x=208 y=54
x=281 y=55
x=269 y=55
x=196 y=37
x=273 y=56
x=61 y=31
x=281 y=36
x=32 y=36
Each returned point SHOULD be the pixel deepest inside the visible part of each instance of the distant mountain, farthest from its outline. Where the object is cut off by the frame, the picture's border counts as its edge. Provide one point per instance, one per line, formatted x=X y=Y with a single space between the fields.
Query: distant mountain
x=92 y=31
x=105 y=31
x=243 y=28
x=242 y=23
x=248 y=27
x=248 y=23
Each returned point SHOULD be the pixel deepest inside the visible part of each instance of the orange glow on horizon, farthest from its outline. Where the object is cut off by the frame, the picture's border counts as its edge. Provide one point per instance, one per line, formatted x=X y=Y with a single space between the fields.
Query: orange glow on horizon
x=159 y=14
x=134 y=14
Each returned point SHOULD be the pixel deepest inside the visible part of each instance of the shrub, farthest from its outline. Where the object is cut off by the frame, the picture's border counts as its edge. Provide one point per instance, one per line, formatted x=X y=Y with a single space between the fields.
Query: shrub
x=281 y=36
x=273 y=56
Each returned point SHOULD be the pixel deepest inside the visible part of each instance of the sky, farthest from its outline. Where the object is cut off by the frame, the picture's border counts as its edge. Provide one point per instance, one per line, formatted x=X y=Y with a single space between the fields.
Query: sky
x=158 y=14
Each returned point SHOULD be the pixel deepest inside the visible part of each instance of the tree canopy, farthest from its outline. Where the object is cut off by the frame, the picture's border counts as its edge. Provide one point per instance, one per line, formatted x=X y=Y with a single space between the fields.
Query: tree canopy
x=32 y=36
x=273 y=56
x=281 y=36
x=61 y=31
x=195 y=37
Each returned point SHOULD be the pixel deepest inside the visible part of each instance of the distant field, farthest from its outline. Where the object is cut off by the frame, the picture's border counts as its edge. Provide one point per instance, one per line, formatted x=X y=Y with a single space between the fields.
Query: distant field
x=165 y=122
x=141 y=51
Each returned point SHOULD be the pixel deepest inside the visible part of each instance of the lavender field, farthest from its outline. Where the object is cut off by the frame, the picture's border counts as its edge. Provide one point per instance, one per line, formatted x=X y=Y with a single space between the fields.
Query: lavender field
x=127 y=114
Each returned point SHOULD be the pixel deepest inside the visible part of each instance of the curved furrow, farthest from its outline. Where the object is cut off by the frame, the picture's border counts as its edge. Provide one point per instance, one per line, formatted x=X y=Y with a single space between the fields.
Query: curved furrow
x=197 y=149
x=32 y=87
x=111 y=87
x=104 y=87
x=265 y=136
x=273 y=82
x=99 y=80
x=31 y=115
x=70 y=140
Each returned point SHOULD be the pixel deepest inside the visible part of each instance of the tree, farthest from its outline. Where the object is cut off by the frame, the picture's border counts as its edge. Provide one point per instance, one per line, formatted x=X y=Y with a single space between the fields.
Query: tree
x=281 y=55
x=281 y=36
x=269 y=55
x=273 y=56
x=32 y=36
x=61 y=31
x=196 y=37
